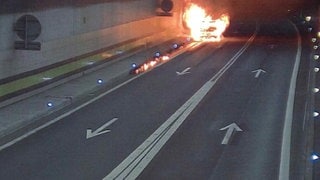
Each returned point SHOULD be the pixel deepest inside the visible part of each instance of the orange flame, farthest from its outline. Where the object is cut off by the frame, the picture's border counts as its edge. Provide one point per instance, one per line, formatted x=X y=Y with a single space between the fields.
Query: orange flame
x=202 y=26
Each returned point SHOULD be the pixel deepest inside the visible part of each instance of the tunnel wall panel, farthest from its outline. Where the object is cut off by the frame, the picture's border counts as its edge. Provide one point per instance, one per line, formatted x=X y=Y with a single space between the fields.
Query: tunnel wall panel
x=71 y=31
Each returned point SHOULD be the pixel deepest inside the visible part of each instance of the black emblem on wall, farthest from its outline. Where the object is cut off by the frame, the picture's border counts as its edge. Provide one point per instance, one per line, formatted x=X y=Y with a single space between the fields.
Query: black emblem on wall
x=28 y=29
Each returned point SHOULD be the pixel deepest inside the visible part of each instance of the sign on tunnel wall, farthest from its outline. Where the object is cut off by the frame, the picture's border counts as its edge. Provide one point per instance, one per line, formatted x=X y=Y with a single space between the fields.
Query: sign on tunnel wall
x=27 y=28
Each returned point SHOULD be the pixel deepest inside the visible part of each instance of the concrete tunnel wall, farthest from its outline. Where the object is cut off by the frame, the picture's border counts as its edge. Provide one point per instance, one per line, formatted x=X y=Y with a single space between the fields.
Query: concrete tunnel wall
x=72 y=31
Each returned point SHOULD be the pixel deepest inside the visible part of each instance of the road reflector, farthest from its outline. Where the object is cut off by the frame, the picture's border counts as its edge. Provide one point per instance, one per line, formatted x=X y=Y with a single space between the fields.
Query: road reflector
x=99 y=81
x=50 y=104
x=314 y=157
x=308 y=18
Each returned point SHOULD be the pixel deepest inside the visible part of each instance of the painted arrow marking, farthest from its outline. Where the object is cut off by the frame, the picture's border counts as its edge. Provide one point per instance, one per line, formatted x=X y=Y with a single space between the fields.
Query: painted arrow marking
x=231 y=128
x=185 y=71
x=258 y=72
x=100 y=130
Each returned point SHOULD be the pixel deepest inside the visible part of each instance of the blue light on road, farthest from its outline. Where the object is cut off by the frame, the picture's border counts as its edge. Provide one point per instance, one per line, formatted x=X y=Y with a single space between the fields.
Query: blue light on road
x=175 y=46
x=50 y=104
x=99 y=81
x=314 y=157
x=133 y=65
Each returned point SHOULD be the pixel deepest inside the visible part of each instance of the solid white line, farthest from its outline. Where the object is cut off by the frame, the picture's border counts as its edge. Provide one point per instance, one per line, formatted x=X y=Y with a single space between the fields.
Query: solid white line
x=306 y=105
x=134 y=164
x=233 y=59
x=82 y=105
x=286 y=136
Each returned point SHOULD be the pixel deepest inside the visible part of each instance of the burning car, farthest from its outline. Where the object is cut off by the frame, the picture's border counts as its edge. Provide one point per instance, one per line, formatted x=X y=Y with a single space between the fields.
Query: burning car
x=204 y=27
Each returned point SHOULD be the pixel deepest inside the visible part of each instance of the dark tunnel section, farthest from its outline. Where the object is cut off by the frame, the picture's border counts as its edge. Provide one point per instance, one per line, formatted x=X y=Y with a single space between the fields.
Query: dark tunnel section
x=19 y=6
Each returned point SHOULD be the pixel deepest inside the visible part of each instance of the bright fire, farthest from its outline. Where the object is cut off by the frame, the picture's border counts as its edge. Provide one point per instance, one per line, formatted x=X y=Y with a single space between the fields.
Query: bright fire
x=202 y=26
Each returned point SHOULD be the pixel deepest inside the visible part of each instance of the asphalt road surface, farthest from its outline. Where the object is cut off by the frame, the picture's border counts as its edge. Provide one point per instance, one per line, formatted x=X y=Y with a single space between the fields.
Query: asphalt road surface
x=245 y=80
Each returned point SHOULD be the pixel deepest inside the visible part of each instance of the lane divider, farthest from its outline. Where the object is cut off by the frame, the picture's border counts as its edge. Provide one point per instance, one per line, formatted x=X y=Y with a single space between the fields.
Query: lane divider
x=284 y=169
x=137 y=161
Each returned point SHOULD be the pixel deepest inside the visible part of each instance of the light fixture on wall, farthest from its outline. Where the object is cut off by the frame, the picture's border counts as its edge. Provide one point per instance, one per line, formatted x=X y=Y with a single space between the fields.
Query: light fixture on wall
x=165 y=8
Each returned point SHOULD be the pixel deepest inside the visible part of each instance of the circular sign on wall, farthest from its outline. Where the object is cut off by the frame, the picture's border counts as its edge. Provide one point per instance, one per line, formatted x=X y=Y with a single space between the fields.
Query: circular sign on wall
x=28 y=27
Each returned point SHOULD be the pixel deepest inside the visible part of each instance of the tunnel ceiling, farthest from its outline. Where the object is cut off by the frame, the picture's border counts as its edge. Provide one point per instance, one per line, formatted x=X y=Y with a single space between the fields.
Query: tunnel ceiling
x=236 y=8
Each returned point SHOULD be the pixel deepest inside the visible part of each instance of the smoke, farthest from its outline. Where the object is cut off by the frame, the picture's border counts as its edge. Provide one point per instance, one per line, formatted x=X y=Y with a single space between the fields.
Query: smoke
x=250 y=9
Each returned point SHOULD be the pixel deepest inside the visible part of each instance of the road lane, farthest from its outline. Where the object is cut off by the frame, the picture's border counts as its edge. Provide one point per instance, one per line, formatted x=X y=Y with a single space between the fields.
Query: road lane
x=135 y=163
x=257 y=105
x=62 y=150
x=255 y=102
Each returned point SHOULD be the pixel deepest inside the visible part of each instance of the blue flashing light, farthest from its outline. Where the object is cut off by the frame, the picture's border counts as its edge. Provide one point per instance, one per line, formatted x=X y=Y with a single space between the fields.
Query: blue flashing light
x=133 y=65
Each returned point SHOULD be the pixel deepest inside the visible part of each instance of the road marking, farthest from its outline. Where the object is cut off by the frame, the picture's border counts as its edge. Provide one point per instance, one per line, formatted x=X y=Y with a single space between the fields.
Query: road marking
x=100 y=130
x=284 y=171
x=185 y=71
x=134 y=164
x=258 y=72
x=20 y=138
x=230 y=129
x=66 y=114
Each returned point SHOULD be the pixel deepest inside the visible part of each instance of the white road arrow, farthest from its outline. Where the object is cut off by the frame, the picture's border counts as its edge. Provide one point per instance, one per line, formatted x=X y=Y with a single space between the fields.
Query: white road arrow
x=186 y=71
x=258 y=72
x=231 y=128
x=100 y=130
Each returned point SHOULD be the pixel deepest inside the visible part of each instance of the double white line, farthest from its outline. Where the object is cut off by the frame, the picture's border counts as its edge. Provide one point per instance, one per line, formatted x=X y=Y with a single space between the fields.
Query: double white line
x=134 y=164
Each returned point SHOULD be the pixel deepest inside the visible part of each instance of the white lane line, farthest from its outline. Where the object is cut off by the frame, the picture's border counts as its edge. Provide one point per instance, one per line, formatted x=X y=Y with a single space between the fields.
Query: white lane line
x=306 y=105
x=233 y=59
x=134 y=164
x=286 y=134
x=20 y=138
